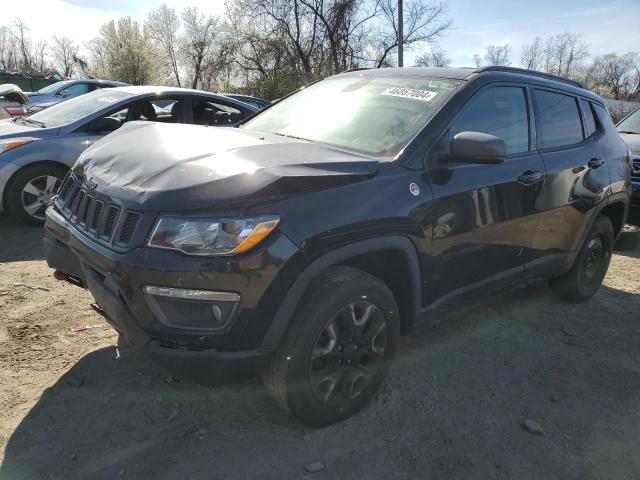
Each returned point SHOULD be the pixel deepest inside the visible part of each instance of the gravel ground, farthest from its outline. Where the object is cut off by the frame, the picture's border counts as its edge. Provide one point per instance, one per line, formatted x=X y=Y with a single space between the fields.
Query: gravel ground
x=455 y=405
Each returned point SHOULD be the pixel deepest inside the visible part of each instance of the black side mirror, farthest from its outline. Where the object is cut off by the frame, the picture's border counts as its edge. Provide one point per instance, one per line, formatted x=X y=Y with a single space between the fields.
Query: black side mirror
x=105 y=125
x=477 y=147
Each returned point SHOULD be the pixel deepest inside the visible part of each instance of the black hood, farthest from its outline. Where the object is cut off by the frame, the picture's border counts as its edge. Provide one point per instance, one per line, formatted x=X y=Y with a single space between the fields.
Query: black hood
x=157 y=166
x=633 y=142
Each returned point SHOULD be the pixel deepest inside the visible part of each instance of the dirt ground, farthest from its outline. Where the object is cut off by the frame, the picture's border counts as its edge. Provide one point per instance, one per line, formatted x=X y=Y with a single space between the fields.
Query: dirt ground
x=453 y=407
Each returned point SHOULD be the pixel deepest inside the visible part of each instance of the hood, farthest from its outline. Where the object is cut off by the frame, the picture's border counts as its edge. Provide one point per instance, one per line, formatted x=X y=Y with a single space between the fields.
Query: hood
x=157 y=166
x=11 y=128
x=17 y=95
x=633 y=142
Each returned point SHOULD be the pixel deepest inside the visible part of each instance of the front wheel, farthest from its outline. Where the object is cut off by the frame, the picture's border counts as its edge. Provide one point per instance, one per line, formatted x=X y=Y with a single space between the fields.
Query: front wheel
x=31 y=189
x=591 y=265
x=338 y=350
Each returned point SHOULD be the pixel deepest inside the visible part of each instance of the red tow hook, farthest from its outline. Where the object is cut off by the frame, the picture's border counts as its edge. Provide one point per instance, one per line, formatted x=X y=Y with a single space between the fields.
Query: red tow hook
x=63 y=277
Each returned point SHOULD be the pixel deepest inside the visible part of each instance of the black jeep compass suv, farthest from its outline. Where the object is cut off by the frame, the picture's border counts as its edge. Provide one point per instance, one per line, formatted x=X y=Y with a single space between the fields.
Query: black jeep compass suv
x=301 y=244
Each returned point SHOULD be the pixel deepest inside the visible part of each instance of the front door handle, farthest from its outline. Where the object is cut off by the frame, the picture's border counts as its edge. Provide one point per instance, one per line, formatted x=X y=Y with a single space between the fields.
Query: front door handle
x=596 y=162
x=530 y=177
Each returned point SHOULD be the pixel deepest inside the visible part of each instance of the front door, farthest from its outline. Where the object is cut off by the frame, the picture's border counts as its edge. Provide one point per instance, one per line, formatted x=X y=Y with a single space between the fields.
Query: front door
x=485 y=216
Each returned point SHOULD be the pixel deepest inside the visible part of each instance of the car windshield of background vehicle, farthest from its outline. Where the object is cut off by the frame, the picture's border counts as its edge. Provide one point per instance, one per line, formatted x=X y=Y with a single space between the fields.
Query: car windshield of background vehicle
x=631 y=124
x=78 y=108
x=376 y=116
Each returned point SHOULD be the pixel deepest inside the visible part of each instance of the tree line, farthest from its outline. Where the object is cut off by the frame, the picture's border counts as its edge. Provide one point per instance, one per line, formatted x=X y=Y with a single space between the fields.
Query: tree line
x=271 y=47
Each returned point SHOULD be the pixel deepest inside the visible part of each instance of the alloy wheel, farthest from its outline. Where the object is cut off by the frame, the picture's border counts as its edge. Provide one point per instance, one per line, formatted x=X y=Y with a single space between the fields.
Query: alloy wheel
x=37 y=193
x=348 y=353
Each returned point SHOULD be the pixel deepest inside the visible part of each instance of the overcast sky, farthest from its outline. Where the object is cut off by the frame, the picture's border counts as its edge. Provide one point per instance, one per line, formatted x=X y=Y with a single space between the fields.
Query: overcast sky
x=607 y=26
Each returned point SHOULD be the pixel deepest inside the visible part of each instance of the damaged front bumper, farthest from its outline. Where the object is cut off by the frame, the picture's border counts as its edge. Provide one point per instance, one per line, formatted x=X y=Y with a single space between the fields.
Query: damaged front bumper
x=142 y=295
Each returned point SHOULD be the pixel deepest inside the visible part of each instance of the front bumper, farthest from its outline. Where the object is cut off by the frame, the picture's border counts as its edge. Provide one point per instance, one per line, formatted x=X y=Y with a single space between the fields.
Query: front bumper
x=116 y=281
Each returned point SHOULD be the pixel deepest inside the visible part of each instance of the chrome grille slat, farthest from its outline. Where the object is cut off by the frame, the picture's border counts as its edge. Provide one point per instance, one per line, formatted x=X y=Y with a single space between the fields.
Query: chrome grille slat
x=94 y=215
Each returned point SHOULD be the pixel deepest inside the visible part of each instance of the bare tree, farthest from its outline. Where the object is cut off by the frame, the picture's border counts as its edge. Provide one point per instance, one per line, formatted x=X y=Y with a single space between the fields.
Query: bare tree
x=424 y=22
x=24 y=46
x=163 y=25
x=533 y=55
x=498 y=54
x=564 y=52
x=8 y=49
x=434 y=58
x=477 y=60
x=200 y=34
x=63 y=51
x=614 y=75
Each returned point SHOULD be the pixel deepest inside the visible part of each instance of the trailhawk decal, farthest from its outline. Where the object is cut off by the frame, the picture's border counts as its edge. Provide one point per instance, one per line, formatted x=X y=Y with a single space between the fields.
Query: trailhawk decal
x=412 y=93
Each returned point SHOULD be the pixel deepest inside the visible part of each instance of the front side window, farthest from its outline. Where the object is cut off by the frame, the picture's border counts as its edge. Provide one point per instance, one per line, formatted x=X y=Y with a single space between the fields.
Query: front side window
x=498 y=111
x=559 y=119
x=166 y=110
x=378 y=116
x=77 y=89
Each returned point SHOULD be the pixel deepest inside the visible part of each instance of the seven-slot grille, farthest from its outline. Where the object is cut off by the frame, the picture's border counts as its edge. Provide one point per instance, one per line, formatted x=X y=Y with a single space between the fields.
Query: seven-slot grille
x=94 y=215
x=635 y=171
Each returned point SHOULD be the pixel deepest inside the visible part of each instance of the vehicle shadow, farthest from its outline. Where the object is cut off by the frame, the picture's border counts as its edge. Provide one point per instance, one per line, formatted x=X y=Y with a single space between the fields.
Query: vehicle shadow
x=19 y=241
x=453 y=408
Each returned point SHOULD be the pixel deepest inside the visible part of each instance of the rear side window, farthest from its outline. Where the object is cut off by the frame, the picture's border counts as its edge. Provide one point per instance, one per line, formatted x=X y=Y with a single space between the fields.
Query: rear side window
x=589 y=118
x=559 y=118
x=604 y=116
x=498 y=111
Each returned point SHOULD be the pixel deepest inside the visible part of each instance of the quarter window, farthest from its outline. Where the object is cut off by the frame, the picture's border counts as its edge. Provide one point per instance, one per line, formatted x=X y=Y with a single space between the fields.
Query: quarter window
x=498 y=111
x=559 y=118
x=589 y=118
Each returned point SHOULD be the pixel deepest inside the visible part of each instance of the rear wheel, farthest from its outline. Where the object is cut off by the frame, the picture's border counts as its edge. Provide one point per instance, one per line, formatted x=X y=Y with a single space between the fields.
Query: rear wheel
x=338 y=349
x=591 y=265
x=30 y=191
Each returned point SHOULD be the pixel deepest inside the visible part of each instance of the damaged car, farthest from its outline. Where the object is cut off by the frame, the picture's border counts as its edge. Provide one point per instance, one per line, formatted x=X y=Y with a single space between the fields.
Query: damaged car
x=300 y=245
x=13 y=101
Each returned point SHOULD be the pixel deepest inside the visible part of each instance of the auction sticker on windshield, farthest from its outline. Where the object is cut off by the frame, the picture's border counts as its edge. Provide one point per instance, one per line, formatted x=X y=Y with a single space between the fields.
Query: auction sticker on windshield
x=412 y=93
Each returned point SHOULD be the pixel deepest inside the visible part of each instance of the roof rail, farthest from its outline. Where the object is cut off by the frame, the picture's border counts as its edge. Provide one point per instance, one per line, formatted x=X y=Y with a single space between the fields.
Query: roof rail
x=524 y=71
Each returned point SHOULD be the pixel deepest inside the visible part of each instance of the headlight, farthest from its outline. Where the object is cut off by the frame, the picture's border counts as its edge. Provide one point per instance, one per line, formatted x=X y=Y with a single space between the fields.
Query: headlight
x=211 y=237
x=10 y=144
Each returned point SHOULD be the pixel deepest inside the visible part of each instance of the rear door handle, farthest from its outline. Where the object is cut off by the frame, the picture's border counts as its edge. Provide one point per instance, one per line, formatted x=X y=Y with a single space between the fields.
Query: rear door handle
x=596 y=162
x=530 y=177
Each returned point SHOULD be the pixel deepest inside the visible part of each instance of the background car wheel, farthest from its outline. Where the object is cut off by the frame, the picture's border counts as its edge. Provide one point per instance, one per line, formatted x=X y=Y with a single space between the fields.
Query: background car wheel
x=338 y=350
x=629 y=238
x=591 y=265
x=30 y=190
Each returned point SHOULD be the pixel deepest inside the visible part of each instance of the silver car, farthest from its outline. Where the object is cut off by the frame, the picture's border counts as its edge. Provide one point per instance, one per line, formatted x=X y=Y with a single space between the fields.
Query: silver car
x=66 y=90
x=37 y=150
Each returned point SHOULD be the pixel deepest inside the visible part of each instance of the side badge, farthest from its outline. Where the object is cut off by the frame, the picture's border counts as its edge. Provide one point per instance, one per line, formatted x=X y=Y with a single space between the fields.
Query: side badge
x=414 y=189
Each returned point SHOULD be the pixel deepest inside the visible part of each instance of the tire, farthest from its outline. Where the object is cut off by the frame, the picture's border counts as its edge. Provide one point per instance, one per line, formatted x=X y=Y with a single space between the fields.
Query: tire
x=629 y=238
x=591 y=265
x=19 y=193
x=328 y=366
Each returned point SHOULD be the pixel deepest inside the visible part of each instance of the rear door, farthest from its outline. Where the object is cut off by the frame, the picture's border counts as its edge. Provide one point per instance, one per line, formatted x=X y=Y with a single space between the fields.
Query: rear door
x=577 y=174
x=486 y=215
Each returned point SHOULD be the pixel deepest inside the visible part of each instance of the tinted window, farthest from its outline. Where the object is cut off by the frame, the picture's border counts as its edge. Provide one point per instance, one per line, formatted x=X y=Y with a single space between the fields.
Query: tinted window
x=589 y=118
x=215 y=114
x=559 y=119
x=78 y=89
x=499 y=111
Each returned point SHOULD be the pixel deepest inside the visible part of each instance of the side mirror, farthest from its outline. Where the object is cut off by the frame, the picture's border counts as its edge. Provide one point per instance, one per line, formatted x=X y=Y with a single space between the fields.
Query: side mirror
x=477 y=147
x=105 y=125
x=64 y=93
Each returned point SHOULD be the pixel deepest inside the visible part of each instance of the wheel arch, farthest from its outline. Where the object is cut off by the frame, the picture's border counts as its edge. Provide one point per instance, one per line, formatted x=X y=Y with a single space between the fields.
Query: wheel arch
x=615 y=211
x=373 y=256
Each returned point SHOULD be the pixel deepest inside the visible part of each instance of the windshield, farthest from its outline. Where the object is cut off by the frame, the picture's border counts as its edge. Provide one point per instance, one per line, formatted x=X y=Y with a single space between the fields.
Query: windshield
x=78 y=108
x=377 y=116
x=52 y=88
x=631 y=123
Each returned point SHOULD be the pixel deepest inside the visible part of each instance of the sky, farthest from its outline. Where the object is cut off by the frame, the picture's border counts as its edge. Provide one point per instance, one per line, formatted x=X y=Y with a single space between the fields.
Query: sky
x=606 y=26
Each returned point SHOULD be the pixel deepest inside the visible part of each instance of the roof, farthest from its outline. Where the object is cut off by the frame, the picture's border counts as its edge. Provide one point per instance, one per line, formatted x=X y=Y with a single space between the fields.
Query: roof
x=500 y=72
x=141 y=89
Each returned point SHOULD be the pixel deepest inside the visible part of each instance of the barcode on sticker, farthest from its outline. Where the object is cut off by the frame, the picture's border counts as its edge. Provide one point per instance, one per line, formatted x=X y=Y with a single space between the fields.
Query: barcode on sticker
x=412 y=93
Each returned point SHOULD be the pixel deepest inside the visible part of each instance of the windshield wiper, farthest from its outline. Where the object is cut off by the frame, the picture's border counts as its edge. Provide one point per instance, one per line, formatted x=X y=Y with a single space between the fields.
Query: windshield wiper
x=34 y=122
x=292 y=136
x=629 y=131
